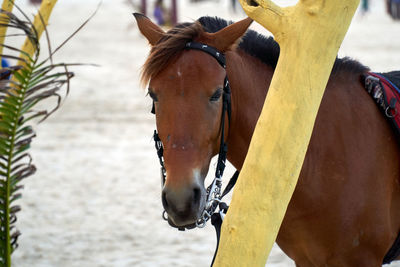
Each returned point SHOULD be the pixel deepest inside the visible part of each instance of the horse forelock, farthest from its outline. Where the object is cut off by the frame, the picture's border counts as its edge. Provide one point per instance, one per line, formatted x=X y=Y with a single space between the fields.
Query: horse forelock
x=168 y=48
x=173 y=43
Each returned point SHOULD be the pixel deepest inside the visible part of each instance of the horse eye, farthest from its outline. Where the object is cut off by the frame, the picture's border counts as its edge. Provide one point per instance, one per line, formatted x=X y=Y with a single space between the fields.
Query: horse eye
x=216 y=95
x=153 y=96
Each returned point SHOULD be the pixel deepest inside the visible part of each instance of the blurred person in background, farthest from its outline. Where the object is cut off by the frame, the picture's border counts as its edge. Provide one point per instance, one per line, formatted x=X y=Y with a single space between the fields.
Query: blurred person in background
x=159 y=12
x=233 y=4
x=393 y=8
x=364 y=6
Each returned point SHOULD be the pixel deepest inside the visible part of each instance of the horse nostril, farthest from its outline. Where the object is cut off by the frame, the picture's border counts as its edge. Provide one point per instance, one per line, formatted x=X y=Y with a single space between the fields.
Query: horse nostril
x=196 y=195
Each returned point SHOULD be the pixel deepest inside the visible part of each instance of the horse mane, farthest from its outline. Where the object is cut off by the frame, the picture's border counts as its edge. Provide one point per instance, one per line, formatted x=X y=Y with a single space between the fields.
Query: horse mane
x=264 y=48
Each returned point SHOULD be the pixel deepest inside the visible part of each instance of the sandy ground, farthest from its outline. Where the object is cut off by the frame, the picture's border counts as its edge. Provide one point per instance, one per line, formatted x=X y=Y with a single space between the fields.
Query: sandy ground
x=95 y=199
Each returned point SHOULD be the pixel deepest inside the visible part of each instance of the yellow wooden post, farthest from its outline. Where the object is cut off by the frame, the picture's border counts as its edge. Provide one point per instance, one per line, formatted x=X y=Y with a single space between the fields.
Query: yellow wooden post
x=309 y=35
x=6 y=6
x=39 y=23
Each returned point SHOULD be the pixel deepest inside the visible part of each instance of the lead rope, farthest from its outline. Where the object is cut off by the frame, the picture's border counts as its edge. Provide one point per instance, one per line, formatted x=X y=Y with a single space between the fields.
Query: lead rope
x=218 y=217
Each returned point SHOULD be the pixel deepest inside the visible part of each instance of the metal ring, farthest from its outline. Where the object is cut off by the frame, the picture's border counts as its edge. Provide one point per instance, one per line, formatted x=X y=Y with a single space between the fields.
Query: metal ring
x=206 y=216
x=390 y=115
x=203 y=223
x=165 y=215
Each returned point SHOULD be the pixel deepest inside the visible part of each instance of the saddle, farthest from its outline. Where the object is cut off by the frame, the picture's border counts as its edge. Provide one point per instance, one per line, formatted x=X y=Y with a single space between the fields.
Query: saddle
x=384 y=89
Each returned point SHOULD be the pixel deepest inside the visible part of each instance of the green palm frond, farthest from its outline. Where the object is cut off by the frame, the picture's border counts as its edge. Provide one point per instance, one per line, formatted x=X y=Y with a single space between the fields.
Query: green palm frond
x=21 y=89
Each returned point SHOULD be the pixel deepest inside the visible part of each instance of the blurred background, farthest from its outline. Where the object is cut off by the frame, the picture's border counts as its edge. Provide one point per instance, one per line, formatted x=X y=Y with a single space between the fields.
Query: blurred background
x=95 y=199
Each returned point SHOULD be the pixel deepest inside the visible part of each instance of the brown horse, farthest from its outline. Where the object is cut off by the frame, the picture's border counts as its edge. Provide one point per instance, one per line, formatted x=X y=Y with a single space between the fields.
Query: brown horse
x=345 y=210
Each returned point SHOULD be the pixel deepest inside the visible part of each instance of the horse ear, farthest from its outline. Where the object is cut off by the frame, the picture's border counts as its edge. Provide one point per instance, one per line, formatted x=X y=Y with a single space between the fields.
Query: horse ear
x=228 y=36
x=151 y=31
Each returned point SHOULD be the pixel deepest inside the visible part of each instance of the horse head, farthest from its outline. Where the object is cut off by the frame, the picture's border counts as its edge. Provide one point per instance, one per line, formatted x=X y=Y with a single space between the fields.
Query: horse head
x=186 y=86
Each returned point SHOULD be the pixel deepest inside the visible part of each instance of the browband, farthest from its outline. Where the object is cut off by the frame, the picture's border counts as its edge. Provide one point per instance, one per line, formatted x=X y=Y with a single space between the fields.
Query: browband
x=210 y=50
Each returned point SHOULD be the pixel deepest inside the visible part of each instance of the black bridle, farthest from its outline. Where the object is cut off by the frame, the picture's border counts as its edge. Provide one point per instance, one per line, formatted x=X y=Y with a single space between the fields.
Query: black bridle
x=214 y=194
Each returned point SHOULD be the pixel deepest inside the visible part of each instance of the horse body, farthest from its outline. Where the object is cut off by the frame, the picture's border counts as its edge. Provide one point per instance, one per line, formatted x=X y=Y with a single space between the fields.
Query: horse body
x=345 y=210
x=346 y=202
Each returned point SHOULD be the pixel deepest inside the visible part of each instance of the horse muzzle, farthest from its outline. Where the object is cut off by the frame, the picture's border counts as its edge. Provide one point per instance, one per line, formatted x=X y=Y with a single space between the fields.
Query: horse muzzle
x=184 y=206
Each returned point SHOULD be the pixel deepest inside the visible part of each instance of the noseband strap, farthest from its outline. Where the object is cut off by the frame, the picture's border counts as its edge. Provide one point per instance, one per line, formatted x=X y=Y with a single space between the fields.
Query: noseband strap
x=214 y=193
x=160 y=152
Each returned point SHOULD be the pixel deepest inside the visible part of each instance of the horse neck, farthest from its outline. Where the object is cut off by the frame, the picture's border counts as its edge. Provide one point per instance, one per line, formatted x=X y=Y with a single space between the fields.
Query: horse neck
x=249 y=79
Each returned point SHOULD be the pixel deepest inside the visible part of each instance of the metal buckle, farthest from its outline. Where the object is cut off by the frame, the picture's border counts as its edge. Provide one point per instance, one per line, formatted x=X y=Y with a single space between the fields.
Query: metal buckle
x=163 y=175
x=213 y=199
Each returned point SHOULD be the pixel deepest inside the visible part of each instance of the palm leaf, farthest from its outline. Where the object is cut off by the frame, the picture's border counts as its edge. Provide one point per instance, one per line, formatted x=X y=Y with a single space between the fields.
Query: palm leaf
x=30 y=84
